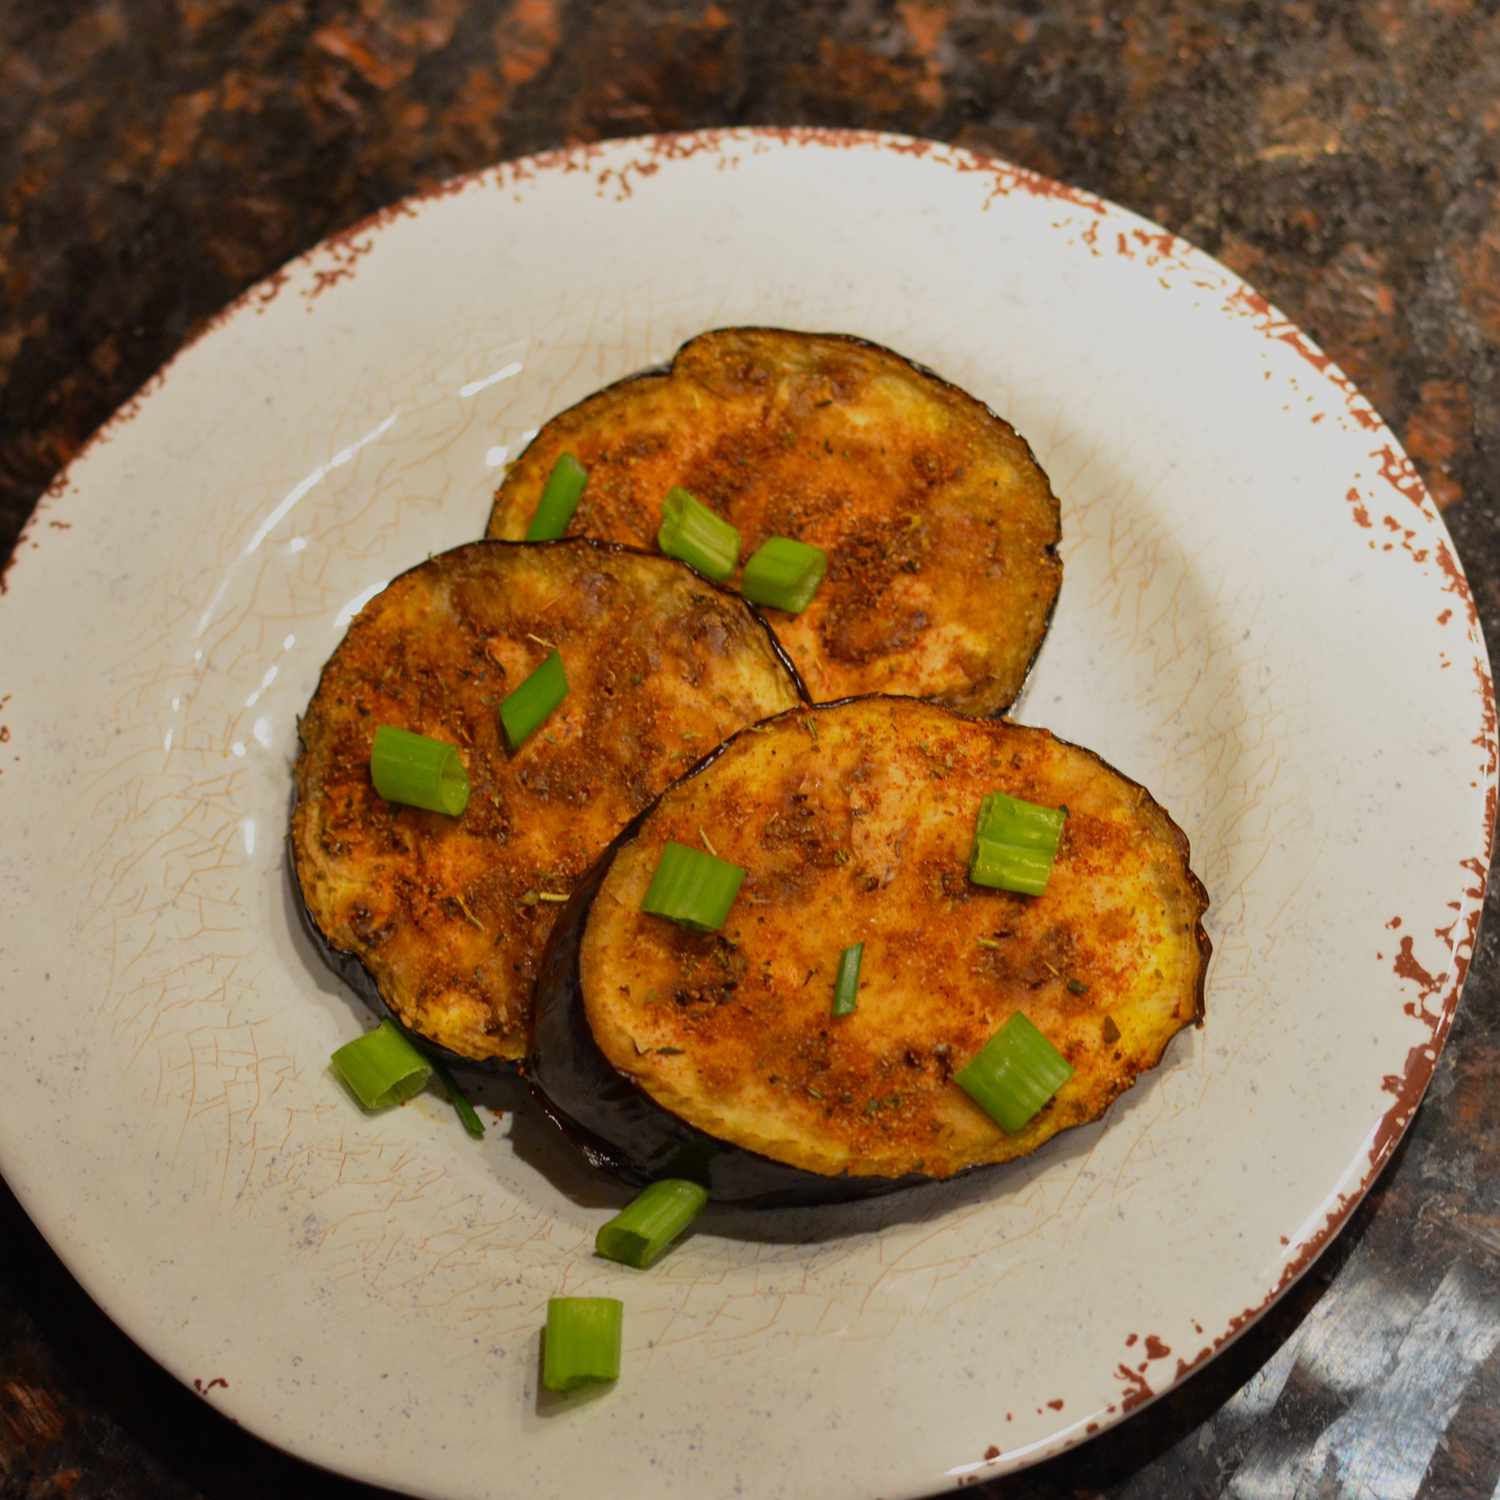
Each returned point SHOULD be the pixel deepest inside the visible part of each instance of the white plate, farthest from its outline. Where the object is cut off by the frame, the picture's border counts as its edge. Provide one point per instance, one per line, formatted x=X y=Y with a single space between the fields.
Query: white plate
x=1261 y=618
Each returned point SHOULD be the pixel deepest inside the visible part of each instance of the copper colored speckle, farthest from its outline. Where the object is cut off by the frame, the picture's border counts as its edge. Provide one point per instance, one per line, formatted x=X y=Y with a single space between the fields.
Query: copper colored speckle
x=1486 y=739
x=1242 y=302
x=1400 y=473
x=1407 y=967
x=1139 y=1389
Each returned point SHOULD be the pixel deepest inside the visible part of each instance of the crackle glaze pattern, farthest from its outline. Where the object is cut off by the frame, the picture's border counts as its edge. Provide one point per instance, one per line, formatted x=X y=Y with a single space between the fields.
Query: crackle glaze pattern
x=1255 y=580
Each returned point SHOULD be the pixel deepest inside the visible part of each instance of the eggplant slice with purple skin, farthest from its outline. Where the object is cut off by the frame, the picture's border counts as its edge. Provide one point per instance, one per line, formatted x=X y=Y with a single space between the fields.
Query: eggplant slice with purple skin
x=940 y=527
x=443 y=920
x=668 y=1052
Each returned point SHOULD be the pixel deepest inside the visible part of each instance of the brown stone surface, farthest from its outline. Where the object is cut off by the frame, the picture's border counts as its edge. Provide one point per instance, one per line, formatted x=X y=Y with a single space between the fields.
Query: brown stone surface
x=158 y=156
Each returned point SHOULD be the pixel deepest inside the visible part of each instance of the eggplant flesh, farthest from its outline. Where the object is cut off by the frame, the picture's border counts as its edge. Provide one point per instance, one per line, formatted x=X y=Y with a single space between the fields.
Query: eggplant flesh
x=618 y=1127
x=717 y=1056
x=940 y=527
x=444 y=920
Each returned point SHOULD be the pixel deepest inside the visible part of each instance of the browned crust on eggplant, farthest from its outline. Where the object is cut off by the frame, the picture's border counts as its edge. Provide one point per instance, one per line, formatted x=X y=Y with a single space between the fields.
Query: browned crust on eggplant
x=447 y=917
x=940 y=527
x=620 y=1129
x=1110 y=962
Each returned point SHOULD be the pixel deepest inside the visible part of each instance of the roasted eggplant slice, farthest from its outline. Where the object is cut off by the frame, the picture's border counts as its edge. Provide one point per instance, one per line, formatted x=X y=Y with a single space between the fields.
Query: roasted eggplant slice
x=668 y=1051
x=447 y=917
x=939 y=526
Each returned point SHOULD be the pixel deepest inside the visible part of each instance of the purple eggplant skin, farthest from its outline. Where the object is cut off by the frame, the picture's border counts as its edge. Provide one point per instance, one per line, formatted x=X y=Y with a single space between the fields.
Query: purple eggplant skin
x=621 y=1129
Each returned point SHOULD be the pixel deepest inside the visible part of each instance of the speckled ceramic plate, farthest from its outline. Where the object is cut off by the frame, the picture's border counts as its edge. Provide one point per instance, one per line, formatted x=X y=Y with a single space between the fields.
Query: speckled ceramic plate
x=1262 y=619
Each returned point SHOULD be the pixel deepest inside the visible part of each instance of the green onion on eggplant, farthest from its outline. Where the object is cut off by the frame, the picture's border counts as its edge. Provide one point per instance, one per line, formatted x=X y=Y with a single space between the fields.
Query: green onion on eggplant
x=938 y=526
x=457 y=669
x=716 y=1056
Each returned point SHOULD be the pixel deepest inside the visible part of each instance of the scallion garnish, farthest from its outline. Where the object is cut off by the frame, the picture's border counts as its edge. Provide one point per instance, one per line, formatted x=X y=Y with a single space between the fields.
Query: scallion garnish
x=697 y=536
x=525 y=710
x=1015 y=844
x=784 y=573
x=382 y=1068
x=420 y=772
x=639 y=1234
x=1007 y=868
x=846 y=986
x=1009 y=820
x=692 y=888
x=1014 y=1074
x=582 y=1342
x=461 y=1106
x=559 y=500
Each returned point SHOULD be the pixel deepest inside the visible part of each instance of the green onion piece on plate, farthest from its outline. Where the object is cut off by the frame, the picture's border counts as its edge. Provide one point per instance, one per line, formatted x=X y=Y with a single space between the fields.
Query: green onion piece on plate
x=560 y=497
x=417 y=771
x=524 y=711
x=784 y=573
x=1015 y=844
x=461 y=1106
x=382 y=1068
x=693 y=533
x=846 y=986
x=639 y=1234
x=582 y=1342
x=1014 y=1074
x=692 y=888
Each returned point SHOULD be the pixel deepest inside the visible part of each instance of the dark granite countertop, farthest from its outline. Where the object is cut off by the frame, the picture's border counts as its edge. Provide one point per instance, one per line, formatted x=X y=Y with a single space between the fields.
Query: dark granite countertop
x=159 y=156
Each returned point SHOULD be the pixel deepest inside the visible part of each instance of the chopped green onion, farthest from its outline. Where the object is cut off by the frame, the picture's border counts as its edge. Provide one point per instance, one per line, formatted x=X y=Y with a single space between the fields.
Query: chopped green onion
x=525 y=710
x=639 y=1234
x=559 y=500
x=461 y=1106
x=1015 y=844
x=784 y=574
x=1014 y=1074
x=1007 y=868
x=382 y=1068
x=417 y=771
x=582 y=1342
x=846 y=987
x=693 y=533
x=1008 y=820
x=692 y=888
